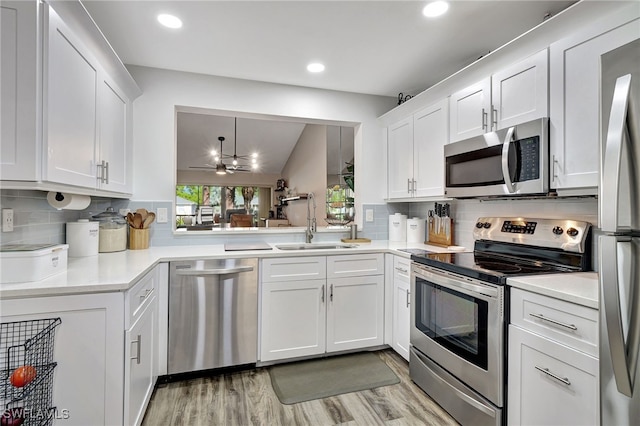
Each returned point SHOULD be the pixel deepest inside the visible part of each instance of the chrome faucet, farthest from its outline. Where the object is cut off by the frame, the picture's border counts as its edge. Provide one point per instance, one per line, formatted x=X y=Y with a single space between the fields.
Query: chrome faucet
x=311 y=220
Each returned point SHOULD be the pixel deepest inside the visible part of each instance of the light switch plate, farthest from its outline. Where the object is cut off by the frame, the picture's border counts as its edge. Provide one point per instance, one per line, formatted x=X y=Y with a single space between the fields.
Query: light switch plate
x=369 y=215
x=162 y=215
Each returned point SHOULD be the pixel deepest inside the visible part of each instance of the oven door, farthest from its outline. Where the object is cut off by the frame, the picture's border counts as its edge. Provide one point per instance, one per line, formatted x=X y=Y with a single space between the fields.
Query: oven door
x=511 y=161
x=459 y=323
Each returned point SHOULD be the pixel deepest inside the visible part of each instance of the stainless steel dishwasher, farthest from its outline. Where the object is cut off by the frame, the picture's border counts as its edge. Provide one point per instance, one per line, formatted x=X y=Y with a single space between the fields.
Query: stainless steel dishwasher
x=213 y=314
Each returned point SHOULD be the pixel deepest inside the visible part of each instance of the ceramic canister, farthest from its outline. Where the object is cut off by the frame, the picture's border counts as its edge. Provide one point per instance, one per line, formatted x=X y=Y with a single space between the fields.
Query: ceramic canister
x=82 y=237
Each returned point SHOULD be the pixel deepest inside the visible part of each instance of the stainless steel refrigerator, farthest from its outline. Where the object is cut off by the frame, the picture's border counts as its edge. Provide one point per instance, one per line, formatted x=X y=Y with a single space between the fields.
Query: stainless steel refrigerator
x=619 y=244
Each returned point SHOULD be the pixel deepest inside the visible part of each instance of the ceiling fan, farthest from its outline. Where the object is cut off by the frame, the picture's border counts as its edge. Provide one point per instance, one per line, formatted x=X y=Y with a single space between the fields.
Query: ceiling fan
x=221 y=168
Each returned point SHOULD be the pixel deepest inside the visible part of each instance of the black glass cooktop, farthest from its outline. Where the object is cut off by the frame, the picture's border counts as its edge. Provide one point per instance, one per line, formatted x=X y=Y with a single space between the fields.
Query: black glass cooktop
x=487 y=267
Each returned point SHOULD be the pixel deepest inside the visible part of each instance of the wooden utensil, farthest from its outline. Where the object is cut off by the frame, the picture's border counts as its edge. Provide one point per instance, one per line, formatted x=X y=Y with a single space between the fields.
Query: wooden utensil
x=130 y=219
x=143 y=213
x=137 y=220
x=151 y=216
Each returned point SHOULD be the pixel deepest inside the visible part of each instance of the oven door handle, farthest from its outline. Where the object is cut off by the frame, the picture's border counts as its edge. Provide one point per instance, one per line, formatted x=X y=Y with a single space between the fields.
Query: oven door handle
x=458 y=285
x=506 y=173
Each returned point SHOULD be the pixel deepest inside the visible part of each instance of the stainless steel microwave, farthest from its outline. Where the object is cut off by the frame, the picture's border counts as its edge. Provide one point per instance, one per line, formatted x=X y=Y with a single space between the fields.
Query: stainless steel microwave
x=508 y=162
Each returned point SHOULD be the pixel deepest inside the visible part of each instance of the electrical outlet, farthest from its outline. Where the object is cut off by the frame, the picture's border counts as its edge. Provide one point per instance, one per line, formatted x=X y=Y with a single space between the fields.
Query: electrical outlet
x=162 y=215
x=7 y=220
x=369 y=215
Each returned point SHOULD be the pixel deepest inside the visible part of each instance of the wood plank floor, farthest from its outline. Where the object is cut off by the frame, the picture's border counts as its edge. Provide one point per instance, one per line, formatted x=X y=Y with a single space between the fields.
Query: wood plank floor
x=247 y=398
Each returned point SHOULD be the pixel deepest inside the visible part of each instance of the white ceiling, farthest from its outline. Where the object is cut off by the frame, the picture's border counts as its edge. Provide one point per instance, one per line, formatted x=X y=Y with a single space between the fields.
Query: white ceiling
x=371 y=47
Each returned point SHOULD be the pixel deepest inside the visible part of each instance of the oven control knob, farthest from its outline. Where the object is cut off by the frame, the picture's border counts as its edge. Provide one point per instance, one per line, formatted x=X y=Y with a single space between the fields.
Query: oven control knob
x=479 y=225
x=572 y=232
x=557 y=230
x=486 y=225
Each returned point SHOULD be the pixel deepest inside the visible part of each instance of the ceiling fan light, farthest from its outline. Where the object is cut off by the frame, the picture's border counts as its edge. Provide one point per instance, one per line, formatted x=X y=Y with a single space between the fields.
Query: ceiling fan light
x=254 y=155
x=254 y=161
x=254 y=166
x=221 y=169
x=435 y=9
x=235 y=160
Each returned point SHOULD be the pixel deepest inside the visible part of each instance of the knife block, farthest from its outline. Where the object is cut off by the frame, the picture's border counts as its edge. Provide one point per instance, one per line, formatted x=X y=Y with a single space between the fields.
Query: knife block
x=440 y=237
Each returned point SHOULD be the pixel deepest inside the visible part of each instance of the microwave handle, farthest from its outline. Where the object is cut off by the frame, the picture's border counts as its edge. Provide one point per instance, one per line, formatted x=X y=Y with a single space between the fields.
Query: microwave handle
x=505 y=160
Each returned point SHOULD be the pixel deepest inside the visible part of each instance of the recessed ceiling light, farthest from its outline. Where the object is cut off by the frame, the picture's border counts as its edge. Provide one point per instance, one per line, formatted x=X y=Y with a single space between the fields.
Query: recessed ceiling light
x=315 y=67
x=435 y=8
x=169 y=21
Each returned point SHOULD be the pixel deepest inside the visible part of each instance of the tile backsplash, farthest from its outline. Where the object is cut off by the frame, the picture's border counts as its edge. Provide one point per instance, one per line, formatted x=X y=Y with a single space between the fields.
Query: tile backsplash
x=35 y=221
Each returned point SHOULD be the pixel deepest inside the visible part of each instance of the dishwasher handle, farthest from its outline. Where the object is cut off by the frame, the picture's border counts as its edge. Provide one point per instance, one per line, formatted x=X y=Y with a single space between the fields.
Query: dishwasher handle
x=207 y=272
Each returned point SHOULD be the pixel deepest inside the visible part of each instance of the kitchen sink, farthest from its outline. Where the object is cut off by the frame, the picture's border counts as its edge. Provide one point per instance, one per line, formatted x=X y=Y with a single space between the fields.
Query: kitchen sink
x=315 y=246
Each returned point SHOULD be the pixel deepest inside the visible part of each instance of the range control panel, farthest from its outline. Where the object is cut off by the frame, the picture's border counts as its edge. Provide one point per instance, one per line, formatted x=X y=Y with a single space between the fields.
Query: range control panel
x=569 y=235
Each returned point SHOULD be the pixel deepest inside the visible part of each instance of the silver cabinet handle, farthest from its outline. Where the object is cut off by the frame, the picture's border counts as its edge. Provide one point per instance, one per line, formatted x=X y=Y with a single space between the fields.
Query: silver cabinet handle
x=409 y=186
x=137 y=342
x=506 y=173
x=549 y=373
x=331 y=293
x=404 y=271
x=205 y=272
x=413 y=186
x=322 y=293
x=561 y=324
x=408 y=298
x=555 y=163
x=484 y=119
x=494 y=117
x=106 y=168
x=146 y=294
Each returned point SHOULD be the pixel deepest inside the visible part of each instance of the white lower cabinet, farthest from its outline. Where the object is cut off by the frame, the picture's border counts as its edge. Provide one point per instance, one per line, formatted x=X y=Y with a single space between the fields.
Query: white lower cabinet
x=401 y=308
x=140 y=351
x=551 y=379
x=327 y=313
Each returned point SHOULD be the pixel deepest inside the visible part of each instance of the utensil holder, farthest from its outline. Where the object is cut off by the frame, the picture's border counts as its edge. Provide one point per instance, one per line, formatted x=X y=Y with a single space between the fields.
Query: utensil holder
x=138 y=238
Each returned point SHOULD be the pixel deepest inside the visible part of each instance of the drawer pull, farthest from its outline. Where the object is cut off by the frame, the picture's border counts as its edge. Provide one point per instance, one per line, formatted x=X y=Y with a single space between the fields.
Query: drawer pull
x=404 y=271
x=408 y=298
x=137 y=342
x=322 y=293
x=146 y=294
x=546 y=371
x=543 y=318
x=331 y=293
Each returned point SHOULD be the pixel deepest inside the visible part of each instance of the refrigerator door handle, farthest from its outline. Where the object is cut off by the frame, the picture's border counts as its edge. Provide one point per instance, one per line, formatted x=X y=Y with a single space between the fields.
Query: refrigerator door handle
x=623 y=363
x=616 y=136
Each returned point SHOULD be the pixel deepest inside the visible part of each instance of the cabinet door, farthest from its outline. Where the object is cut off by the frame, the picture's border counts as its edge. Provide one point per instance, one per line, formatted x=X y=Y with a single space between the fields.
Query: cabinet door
x=292 y=319
x=400 y=161
x=18 y=77
x=88 y=349
x=71 y=108
x=115 y=149
x=469 y=111
x=401 y=309
x=430 y=134
x=575 y=103
x=549 y=383
x=355 y=312
x=139 y=372
x=520 y=93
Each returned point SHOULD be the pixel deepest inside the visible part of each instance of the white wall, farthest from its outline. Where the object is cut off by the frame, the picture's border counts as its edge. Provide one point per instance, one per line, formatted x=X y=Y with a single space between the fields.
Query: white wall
x=306 y=171
x=154 y=123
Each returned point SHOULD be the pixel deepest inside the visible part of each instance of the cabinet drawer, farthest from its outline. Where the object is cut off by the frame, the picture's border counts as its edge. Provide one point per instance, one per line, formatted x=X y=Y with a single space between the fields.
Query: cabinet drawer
x=573 y=325
x=294 y=269
x=355 y=265
x=550 y=383
x=139 y=296
x=401 y=269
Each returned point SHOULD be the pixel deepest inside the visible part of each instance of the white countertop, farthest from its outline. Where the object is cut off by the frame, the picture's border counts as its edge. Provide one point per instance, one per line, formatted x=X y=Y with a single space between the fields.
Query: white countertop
x=580 y=287
x=118 y=271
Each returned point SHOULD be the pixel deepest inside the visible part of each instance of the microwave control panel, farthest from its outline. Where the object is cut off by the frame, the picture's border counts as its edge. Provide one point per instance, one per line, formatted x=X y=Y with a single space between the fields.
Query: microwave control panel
x=529 y=153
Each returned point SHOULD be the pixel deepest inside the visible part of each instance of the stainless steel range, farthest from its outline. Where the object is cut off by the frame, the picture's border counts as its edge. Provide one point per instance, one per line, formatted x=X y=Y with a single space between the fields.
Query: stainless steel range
x=458 y=313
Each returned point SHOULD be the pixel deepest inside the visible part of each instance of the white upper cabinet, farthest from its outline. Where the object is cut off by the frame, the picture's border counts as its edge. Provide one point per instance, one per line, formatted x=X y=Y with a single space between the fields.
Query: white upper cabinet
x=520 y=92
x=575 y=102
x=416 y=153
x=73 y=131
x=470 y=108
x=400 y=158
x=18 y=133
x=514 y=95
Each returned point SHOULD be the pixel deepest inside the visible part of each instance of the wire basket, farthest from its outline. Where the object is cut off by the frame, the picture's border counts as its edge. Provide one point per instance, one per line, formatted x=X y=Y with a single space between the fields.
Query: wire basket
x=27 y=345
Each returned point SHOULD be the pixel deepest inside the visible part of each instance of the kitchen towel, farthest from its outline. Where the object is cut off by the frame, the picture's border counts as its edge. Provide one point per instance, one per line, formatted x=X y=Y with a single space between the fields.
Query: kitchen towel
x=415 y=230
x=398 y=227
x=60 y=201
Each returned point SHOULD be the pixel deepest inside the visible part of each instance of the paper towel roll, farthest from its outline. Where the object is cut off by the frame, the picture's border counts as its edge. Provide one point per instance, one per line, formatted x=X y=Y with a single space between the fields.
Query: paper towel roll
x=398 y=227
x=60 y=201
x=415 y=230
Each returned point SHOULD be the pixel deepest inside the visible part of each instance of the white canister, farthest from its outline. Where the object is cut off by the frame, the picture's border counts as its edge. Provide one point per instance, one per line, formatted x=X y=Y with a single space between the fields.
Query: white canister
x=398 y=227
x=82 y=238
x=415 y=230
